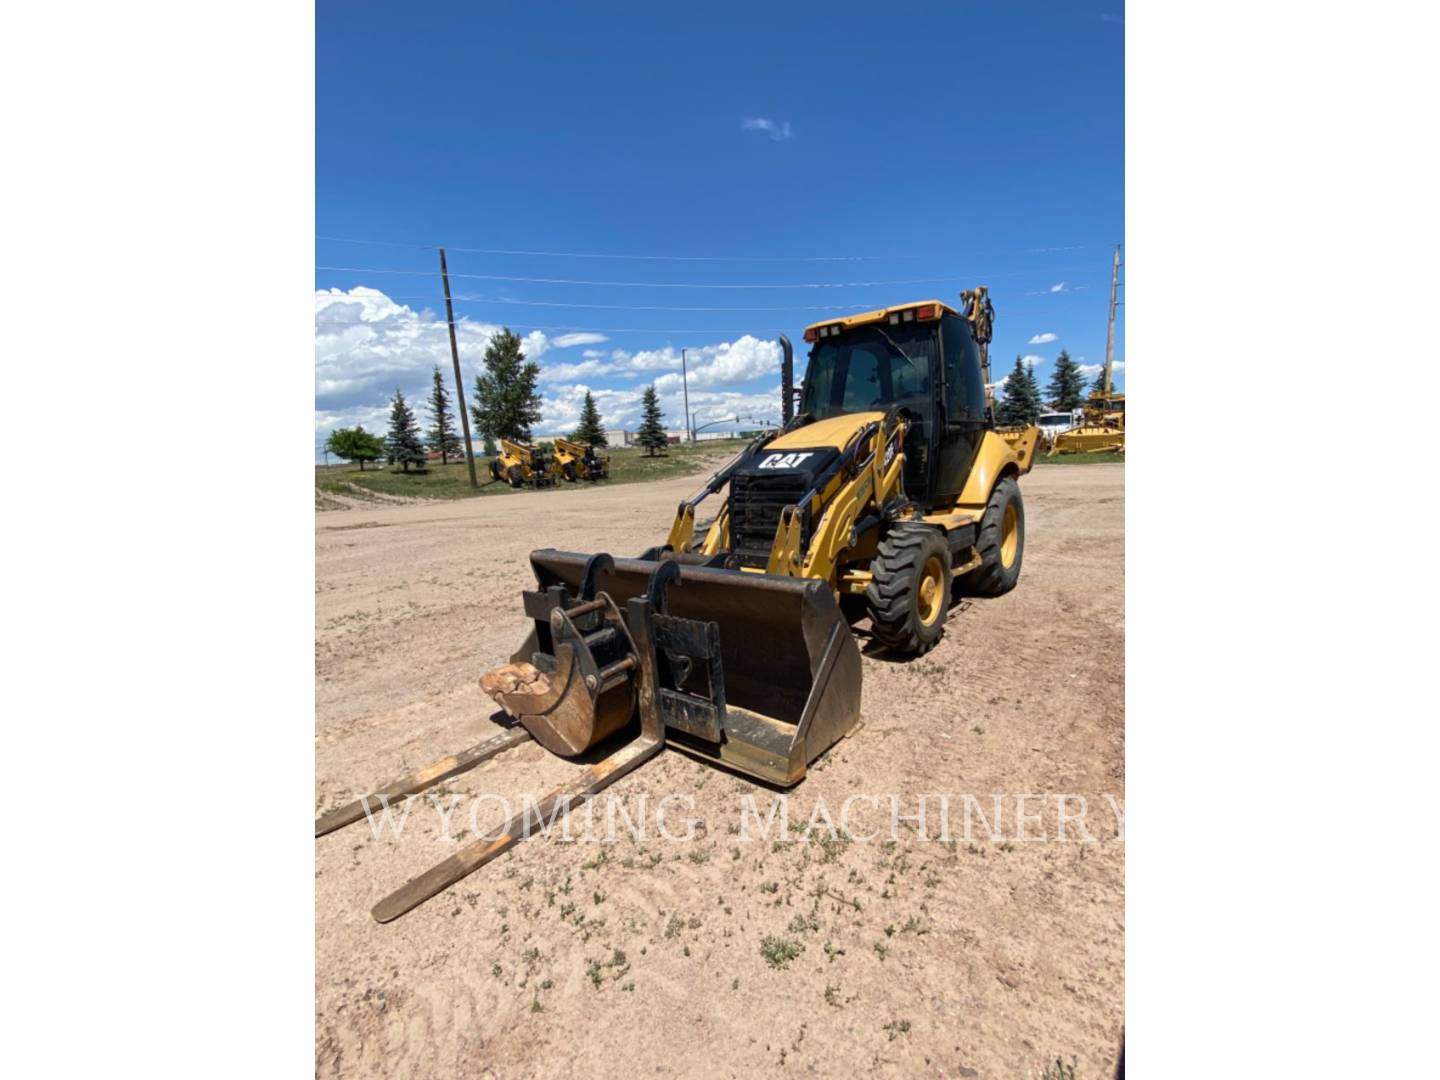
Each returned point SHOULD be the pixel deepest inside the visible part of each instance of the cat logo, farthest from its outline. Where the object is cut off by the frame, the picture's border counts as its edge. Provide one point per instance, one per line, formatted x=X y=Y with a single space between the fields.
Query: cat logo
x=785 y=461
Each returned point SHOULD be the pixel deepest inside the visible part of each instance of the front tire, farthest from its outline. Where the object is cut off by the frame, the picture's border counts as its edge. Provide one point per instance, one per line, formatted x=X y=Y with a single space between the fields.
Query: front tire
x=909 y=593
x=516 y=476
x=1000 y=542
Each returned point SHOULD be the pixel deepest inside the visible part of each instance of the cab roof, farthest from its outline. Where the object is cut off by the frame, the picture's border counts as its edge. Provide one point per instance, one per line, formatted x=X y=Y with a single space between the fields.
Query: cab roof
x=880 y=314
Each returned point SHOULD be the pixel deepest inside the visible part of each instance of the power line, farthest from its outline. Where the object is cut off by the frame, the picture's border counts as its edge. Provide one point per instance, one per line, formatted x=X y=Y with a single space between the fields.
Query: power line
x=437 y=325
x=661 y=258
x=342 y=297
x=655 y=284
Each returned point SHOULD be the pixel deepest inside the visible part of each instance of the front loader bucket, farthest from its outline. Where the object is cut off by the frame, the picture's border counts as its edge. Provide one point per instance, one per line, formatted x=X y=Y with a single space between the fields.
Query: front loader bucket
x=754 y=671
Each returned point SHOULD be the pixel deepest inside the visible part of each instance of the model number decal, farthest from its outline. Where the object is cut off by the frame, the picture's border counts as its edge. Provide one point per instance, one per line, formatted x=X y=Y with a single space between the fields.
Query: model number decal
x=785 y=461
x=890 y=448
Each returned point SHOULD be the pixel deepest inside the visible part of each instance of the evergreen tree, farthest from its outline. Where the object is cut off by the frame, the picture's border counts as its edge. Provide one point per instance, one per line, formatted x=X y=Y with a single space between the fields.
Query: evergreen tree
x=355 y=444
x=1067 y=386
x=1098 y=386
x=590 y=430
x=402 y=444
x=1022 y=403
x=442 y=435
x=652 y=424
x=506 y=404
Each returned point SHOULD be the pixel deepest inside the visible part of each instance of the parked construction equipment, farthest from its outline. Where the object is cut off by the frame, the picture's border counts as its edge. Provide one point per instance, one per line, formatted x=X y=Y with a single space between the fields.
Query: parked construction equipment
x=521 y=465
x=1101 y=429
x=889 y=495
x=578 y=461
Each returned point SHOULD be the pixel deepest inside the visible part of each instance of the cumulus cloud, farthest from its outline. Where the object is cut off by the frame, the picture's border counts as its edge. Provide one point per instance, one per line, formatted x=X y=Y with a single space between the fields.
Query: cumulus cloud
x=778 y=130
x=1031 y=358
x=367 y=345
x=1090 y=370
x=1042 y=339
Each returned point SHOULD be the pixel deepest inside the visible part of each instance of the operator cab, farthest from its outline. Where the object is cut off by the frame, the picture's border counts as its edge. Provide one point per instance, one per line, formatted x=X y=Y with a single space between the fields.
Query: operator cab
x=920 y=357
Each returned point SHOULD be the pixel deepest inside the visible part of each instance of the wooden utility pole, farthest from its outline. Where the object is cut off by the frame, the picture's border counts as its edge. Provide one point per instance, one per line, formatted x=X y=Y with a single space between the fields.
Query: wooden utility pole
x=459 y=381
x=1110 y=334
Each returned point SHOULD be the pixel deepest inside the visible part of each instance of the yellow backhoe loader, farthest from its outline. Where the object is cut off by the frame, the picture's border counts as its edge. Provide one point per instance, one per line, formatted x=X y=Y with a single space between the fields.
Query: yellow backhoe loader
x=1102 y=428
x=578 y=461
x=887 y=496
x=521 y=465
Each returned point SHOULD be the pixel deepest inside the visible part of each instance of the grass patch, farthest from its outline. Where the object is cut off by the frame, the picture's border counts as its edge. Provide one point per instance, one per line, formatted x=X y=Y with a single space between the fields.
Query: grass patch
x=628 y=465
x=1099 y=457
x=779 y=951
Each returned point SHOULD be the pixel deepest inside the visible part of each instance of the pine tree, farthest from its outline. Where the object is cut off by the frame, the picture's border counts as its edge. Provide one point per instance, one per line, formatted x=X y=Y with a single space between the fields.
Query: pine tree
x=1098 y=386
x=402 y=444
x=1067 y=386
x=652 y=424
x=1022 y=397
x=441 y=435
x=506 y=404
x=590 y=431
x=355 y=444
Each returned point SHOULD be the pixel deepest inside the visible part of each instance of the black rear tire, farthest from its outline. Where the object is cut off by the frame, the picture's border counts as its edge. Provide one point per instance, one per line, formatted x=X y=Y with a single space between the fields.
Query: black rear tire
x=516 y=476
x=909 y=593
x=570 y=474
x=1001 y=543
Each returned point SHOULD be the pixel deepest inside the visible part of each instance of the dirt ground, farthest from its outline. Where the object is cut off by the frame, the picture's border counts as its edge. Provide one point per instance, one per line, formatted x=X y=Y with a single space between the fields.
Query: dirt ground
x=723 y=955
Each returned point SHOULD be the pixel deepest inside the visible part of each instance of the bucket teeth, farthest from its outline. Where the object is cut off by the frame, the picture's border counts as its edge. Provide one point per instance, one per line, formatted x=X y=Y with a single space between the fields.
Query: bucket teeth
x=514 y=686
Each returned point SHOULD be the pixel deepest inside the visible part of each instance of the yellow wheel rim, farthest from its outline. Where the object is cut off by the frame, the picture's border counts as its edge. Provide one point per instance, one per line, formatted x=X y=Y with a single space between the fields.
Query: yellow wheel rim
x=1009 y=537
x=932 y=590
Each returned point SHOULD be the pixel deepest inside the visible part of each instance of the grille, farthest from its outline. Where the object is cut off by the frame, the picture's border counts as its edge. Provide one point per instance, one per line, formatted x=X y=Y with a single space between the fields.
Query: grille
x=755 y=505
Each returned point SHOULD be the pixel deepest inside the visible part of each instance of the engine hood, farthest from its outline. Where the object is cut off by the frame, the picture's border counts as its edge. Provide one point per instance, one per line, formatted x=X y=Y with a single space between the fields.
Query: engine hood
x=834 y=432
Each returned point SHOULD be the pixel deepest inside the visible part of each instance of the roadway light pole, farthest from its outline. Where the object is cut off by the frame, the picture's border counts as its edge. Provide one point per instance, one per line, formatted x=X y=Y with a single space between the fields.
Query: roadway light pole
x=685 y=381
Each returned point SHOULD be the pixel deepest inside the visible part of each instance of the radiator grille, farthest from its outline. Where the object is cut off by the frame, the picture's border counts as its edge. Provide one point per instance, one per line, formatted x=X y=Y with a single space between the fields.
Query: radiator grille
x=755 y=505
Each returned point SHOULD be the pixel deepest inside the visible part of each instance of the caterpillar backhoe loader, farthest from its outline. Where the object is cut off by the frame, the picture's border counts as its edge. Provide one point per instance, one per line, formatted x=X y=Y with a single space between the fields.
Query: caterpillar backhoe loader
x=521 y=465
x=888 y=494
x=575 y=461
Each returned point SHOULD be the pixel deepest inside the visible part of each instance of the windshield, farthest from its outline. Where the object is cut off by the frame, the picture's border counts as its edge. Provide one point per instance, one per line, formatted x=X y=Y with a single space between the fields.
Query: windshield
x=862 y=372
x=1052 y=419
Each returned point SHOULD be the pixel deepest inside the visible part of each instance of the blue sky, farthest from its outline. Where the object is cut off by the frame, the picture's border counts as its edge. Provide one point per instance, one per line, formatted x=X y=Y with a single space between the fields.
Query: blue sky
x=886 y=153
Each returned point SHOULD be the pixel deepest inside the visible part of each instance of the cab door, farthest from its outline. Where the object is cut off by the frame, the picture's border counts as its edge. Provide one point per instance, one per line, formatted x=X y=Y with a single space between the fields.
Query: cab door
x=962 y=422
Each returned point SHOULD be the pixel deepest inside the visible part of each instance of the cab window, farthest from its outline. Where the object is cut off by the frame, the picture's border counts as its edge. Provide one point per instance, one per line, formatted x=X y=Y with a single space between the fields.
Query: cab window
x=964 y=381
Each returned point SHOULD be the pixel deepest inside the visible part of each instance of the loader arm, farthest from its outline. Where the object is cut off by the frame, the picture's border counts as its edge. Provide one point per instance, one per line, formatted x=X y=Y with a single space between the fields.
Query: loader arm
x=866 y=478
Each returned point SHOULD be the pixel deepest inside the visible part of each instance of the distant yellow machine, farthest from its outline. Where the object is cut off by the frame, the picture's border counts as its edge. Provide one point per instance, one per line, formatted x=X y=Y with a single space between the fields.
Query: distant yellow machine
x=576 y=461
x=1101 y=430
x=521 y=465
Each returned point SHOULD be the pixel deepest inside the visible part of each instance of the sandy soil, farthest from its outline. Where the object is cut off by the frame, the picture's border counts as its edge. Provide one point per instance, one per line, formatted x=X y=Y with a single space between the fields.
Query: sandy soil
x=987 y=957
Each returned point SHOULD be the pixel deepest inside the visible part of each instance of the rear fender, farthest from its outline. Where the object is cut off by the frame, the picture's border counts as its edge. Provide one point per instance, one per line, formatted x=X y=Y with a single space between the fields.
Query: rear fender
x=994 y=461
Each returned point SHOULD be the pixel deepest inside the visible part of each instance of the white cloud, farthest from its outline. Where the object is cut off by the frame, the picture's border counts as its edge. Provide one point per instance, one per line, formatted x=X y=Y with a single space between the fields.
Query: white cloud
x=1095 y=369
x=1042 y=339
x=1031 y=358
x=779 y=131
x=565 y=341
x=367 y=344
x=1058 y=288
